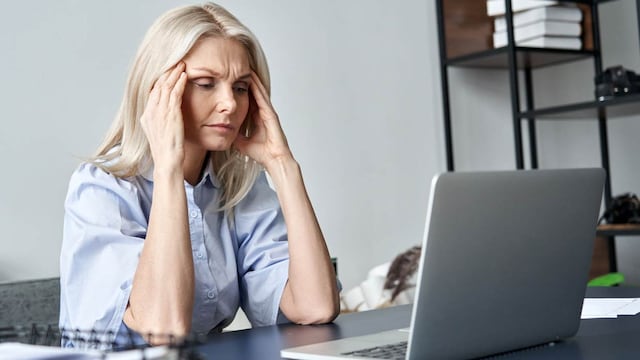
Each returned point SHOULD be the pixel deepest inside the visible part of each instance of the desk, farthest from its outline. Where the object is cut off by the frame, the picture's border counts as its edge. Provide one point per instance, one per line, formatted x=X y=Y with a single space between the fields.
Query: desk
x=596 y=339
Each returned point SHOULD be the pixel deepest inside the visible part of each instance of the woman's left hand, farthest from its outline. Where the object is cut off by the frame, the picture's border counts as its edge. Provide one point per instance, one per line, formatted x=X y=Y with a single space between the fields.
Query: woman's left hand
x=310 y=295
x=267 y=143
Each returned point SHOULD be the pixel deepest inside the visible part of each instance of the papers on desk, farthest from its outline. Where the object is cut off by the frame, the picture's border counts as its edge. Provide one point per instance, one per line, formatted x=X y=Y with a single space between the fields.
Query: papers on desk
x=609 y=308
x=18 y=351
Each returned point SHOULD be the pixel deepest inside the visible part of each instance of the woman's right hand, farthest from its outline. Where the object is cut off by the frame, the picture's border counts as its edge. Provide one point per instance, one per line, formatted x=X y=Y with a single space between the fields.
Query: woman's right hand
x=162 y=121
x=159 y=300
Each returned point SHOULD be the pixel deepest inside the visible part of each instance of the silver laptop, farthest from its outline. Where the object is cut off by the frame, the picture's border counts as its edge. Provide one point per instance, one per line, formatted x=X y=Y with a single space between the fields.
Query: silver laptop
x=504 y=266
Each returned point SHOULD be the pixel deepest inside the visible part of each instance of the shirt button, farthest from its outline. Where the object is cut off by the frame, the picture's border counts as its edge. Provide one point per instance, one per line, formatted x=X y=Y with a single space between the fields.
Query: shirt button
x=199 y=255
x=194 y=214
x=211 y=294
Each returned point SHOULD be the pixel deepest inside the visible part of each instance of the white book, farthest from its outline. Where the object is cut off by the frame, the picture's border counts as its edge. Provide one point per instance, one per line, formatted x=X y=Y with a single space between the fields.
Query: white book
x=554 y=42
x=497 y=7
x=540 y=28
x=558 y=13
x=550 y=42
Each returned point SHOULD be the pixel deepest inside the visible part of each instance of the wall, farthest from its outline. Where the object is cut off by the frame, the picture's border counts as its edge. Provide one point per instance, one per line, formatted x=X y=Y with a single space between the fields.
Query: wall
x=355 y=84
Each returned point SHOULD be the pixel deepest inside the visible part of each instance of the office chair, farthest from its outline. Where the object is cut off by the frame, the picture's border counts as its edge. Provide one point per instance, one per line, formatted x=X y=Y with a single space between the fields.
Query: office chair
x=23 y=303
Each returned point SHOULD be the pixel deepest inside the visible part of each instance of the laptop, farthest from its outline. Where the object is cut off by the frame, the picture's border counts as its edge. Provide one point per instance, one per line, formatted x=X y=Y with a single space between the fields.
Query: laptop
x=504 y=266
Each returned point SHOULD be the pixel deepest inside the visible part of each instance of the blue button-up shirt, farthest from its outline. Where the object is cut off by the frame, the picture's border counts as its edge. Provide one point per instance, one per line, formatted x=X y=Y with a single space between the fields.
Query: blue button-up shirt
x=239 y=262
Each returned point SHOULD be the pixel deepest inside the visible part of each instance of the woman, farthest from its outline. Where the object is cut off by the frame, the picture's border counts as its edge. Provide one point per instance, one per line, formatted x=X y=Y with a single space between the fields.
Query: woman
x=172 y=225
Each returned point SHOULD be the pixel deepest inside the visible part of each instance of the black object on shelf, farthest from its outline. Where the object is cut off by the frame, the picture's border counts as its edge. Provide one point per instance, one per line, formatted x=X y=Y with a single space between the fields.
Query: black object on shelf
x=624 y=209
x=616 y=81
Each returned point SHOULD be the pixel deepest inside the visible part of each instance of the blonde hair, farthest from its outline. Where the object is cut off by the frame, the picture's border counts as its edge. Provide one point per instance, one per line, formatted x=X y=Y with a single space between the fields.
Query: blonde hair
x=125 y=150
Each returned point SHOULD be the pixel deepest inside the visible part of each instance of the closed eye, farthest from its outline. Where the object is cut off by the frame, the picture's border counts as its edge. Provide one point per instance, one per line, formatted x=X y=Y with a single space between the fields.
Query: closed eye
x=204 y=83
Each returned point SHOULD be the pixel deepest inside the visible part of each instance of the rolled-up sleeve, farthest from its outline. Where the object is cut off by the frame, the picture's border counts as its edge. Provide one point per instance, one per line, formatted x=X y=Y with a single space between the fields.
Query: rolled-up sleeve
x=104 y=230
x=263 y=253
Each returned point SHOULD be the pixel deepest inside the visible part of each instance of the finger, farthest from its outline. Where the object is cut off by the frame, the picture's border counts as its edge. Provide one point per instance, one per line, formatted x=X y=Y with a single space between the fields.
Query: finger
x=259 y=92
x=264 y=115
x=170 y=77
x=154 y=96
x=174 y=74
x=161 y=80
x=256 y=79
x=156 y=89
x=178 y=90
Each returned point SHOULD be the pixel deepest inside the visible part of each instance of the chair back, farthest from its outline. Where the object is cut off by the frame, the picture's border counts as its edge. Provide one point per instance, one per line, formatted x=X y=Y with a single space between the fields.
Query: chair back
x=30 y=301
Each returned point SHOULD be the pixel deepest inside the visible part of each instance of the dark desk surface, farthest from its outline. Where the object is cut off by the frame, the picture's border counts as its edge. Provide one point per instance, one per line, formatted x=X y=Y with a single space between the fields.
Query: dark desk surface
x=596 y=339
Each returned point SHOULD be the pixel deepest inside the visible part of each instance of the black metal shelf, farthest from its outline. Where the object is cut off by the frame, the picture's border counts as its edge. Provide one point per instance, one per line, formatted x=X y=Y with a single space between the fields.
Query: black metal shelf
x=526 y=58
x=616 y=107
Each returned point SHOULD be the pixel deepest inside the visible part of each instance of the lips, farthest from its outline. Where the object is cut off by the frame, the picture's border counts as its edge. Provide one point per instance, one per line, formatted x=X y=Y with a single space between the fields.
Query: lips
x=220 y=126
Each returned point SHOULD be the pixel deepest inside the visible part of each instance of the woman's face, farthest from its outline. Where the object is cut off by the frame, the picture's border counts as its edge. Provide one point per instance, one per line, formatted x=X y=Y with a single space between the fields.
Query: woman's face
x=216 y=96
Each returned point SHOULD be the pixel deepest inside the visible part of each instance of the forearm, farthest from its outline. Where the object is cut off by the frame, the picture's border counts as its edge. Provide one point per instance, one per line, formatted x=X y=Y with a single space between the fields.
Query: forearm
x=311 y=294
x=161 y=299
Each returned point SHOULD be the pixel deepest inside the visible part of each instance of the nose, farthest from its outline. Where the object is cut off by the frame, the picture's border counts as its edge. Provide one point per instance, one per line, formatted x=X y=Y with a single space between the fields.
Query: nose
x=226 y=102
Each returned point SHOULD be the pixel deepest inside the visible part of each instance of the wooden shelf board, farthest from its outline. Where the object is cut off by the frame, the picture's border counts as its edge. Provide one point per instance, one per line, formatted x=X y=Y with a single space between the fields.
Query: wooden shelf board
x=618 y=229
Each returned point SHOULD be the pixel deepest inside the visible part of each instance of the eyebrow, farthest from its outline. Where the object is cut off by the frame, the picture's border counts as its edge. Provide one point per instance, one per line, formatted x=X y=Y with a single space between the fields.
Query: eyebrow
x=216 y=74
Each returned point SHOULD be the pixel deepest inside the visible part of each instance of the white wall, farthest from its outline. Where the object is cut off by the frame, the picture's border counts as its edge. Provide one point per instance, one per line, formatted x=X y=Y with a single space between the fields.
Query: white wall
x=356 y=84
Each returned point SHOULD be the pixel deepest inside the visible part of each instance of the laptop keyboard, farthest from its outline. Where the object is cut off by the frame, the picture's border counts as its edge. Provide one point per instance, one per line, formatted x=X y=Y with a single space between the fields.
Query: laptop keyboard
x=391 y=351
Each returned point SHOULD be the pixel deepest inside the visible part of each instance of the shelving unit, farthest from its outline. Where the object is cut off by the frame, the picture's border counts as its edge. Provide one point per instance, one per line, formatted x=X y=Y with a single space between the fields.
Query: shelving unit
x=465 y=40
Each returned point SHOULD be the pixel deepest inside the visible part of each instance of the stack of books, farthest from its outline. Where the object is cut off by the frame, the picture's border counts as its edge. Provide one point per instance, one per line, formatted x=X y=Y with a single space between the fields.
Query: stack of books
x=538 y=23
